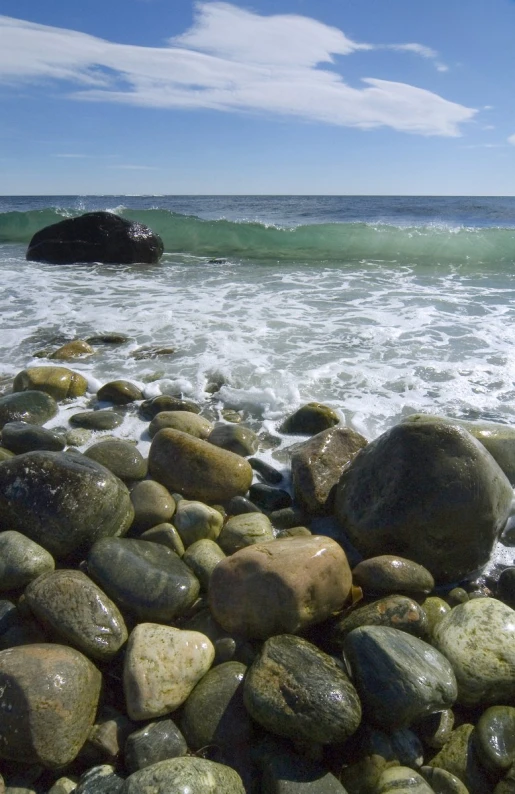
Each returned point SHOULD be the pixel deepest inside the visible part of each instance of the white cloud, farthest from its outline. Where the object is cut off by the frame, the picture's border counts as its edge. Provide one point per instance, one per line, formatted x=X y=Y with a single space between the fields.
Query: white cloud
x=511 y=140
x=230 y=60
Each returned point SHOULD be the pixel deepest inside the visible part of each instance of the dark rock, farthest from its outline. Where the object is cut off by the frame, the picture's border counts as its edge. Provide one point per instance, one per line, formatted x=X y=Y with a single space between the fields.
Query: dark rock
x=119 y=392
x=287 y=773
x=395 y=611
x=96 y=237
x=155 y=742
x=121 y=457
x=35 y=407
x=97 y=420
x=310 y=419
x=391 y=574
x=506 y=587
x=235 y=438
x=268 y=498
x=21 y=560
x=287 y=517
x=166 y=402
x=267 y=472
x=108 y=339
x=495 y=738
x=22 y=437
x=100 y=780
x=435 y=729
x=239 y=505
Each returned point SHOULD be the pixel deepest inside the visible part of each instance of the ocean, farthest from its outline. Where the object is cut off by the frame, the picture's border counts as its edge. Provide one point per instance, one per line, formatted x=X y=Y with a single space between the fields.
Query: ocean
x=378 y=306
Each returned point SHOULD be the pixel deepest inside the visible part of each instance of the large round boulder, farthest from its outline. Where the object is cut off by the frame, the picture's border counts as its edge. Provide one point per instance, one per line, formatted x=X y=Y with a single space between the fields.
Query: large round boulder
x=429 y=492
x=96 y=237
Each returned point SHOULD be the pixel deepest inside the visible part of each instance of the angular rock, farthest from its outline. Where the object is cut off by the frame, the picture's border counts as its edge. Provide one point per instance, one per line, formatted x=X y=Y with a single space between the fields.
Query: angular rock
x=185 y=776
x=196 y=521
x=96 y=237
x=157 y=741
x=119 y=392
x=58 y=382
x=119 y=456
x=310 y=419
x=153 y=504
x=63 y=502
x=245 y=530
x=235 y=438
x=282 y=586
x=185 y=421
x=21 y=560
x=166 y=535
x=391 y=574
x=429 y=492
x=20 y=437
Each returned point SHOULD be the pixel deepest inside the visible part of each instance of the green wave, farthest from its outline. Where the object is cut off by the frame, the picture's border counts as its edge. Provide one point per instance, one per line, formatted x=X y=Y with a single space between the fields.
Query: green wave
x=328 y=241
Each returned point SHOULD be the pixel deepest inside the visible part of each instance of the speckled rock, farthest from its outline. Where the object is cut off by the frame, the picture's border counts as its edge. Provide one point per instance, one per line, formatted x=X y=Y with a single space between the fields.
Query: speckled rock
x=235 y=438
x=459 y=757
x=280 y=587
x=31 y=406
x=442 y=505
x=21 y=560
x=478 y=638
x=97 y=420
x=167 y=535
x=48 y=703
x=119 y=392
x=146 y=578
x=121 y=457
x=78 y=348
x=442 y=782
x=22 y=437
x=58 y=382
x=153 y=504
x=395 y=611
x=317 y=465
x=495 y=738
x=78 y=613
x=203 y=557
x=166 y=402
x=100 y=780
x=157 y=741
x=184 y=776
x=196 y=521
x=196 y=468
x=78 y=436
x=185 y=421
x=162 y=665
x=62 y=501
x=245 y=530
x=435 y=609
x=296 y=691
x=399 y=678
x=391 y=574
x=402 y=780
x=310 y=419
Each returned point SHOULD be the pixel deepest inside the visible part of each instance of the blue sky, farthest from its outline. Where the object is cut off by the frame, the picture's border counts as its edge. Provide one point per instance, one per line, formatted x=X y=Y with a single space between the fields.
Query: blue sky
x=267 y=96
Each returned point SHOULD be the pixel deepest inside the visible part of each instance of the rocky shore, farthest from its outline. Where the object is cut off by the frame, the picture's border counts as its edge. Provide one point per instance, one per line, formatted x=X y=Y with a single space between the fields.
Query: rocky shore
x=195 y=622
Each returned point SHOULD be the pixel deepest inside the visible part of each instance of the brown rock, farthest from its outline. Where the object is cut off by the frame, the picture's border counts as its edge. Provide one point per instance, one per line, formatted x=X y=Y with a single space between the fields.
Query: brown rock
x=58 y=382
x=76 y=349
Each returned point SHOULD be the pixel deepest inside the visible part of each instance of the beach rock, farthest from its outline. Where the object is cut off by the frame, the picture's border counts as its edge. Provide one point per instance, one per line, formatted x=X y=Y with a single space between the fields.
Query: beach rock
x=435 y=609
x=49 y=699
x=399 y=678
x=166 y=402
x=435 y=729
x=268 y=498
x=107 y=737
x=267 y=472
x=156 y=742
x=278 y=587
x=185 y=421
x=296 y=691
x=166 y=535
x=227 y=647
x=109 y=338
x=31 y=406
x=145 y=578
x=78 y=436
x=442 y=782
x=317 y=466
x=62 y=501
x=310 y=419
x=495 y=738
x=162 y=665
x=21 y=560
x=96 y=420
x=153 y=504
x=394 y=611
x=119 y=392
x=78 y=348
x=239 y=505
x=121 y=457
x=196 y=468
x=196 y=521
x=100 y=780
x=391 y=574
x=59 y=382
x=288 y=773
x=402 y=780
x=203 y=557
x=184 y=776
x=478 y=638
x=429 y=492
x=235 y=438
x=506 y=586
x=287 y=517
x=245 y=530
x=20 y=437
x=214 y=713
x=63 y=785
x=5 y=454
x=95 y=237
x=78 y=613
x=152 y=351
x=459 y=757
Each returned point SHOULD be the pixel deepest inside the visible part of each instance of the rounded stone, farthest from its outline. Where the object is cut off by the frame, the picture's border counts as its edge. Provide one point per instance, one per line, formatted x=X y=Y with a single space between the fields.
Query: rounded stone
x=395 y=611
x=97 y=420
x=478 y=638
x=78 y=348
x=391 y=574
x=399 y=678
x=235 y=438
x=153 y=504
x=245 y=530
x=119 y=456
x=402 y=780
x=31 y=406
x=162 y=665
x=459 y=757
x=310 y=419
x=196 y=468
x=495 y=738
x=196 y=521
x=63 y=502
x=296 y=691
x=166 y=535
x=119 y=392
x=21 y=560
x=185 y=776
x=442 y=782
x=48 y=703
x=506 y=586
x=20 y=437
x=157 y=741
x=435 y=730
x=185 y=421
x=77 y=612
x=203 y=557
x=268 y=498
x=443 y=504
x=240 y=504
x=58 y=382
x=435 y=609
x=166 y=402
x=63 y=785
x=267 y=472
x=282 y=586
x=146 y=578
x=100 y=779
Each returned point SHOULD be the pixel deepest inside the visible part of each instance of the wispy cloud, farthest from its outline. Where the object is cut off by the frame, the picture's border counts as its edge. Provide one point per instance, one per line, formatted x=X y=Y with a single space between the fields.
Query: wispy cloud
x=230 y=60
x=511 y=140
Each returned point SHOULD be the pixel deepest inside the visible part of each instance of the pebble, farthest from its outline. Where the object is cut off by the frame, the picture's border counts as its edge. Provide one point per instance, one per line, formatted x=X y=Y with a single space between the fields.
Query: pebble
x=78 y=348
x=287 y=773
x=245 y=530
x=197 y=521
x=166 y=402
x=185 y=421
x=310 y=419
x=203 y=557
x=267 y=472
x=184 y=776
x=402 y=780
x=119 y=456
x=167 y=535
x=495 y=738
x=31 y=406
x=119 y=392
x=235 y=438
x=97 y=420
x=59 y=382
x=100 y=780
x=21 y=560
x=239 y=505
x=459 y=757
x=268 y=498
x=443 y=782
x=395 y=611
x=388 y=573
x=21 y=437
x=155 y=742
x=153 y=504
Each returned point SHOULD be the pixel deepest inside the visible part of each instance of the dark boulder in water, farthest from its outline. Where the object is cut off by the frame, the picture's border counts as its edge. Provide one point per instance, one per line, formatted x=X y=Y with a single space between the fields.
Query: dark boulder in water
x=96 y=237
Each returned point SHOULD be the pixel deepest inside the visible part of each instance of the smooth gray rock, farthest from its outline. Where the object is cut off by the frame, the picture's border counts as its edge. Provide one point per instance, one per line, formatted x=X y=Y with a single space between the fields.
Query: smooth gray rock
x=495 y=738
x=187 y=775
x=119 y=456
x=21 y=560
x=153 y=504
x=35 y=407
x=22 y=437
x=155 y=742
x=96 y=420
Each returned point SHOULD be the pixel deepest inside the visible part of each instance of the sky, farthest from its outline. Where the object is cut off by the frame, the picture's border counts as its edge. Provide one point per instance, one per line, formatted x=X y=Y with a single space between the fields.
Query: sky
x=340 y=97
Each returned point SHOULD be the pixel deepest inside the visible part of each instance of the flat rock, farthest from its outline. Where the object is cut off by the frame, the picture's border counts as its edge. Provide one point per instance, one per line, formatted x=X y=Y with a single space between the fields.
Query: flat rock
x=185 y=776
x=21 y=560
x=58 y=382
x=20 y=437
x=388 y=573
x=121 y=457
x=32 y=406
x=97 y=420
x=162 y=665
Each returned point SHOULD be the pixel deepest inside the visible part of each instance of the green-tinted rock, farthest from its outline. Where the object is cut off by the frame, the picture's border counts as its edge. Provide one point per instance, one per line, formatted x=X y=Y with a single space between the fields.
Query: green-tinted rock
x=495 y=738
x=185 y=421
x=443 y=782
x=203 y=557
x=310 y=419
x=119 y=392
x=31 y=406
x=235 y=438
x=245 y=530
x=21 y=560
x=188 y=775
x=119 y=456
x=295 y=690
x=22 y=437
x=78 y=613
x=5 y=454
x=391 y=574
x=58 y=382
x=435 y=730
x=63 y=502
x=166 y=535
x=402 y=780
x=146 y=578
x=435 y=609
x=286 y=773
x=459 y=757
x=64 y=785
x=196 y=521
x=153 y=504
x=157 y=741
x=395 y=611
x=78 y=436
x=97 y=420
x=78 y=348
x=166 y=402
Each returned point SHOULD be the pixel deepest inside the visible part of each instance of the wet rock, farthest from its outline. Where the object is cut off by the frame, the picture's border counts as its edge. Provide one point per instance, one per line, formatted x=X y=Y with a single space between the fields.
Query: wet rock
x=196 y=468
x=268 y=498
x=495 y=738
x=235 y=438
x=21 y=560
x=391 y=574
x=119 y=392
x=157 y=741
x=58 y=382
x=166 y=535
x=287 y=517
x=100 y=780
x=78 y=436
x=245 y=530
x=22 y=437
x=153 y=504
x=183 y=776
x=166 y=402
x=203 y=557
x=459 y=757
x=435 y=609
x=227 y=647
x=280 y=587
x=435 y=730
x=429 y=492
x=196 y=521
x=63 y=502
x=399 y=678
x=119 y=456
x=145 y=578
x=96 y=420
x=267 y=472
x=96 y=237
x=78 y=348
x=395 y=611
x=162 y=665
x=402 y=780
x=506 y=587
x=31 y=406
x=239 y=505
x=78 y=613
x=152 y=351
x=49 y=699
x=296 y=691
x=64 y=785
x=185 y=421
x=310 y=419
x=442 y=782
x=107 y=737
x=287 y=773
x=110 y=338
